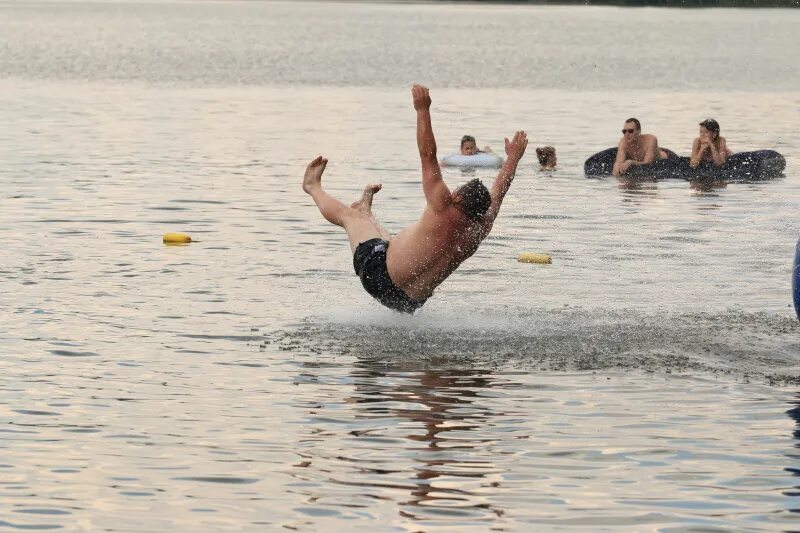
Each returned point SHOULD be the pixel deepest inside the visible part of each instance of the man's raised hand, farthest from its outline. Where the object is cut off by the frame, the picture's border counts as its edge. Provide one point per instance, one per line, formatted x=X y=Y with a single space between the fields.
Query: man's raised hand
x=515 y=148
x=422 y=100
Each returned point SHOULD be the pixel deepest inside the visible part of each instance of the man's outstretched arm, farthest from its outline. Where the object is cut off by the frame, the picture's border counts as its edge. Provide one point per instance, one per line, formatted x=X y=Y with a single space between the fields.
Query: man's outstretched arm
x=515 y=149
x=436 y=192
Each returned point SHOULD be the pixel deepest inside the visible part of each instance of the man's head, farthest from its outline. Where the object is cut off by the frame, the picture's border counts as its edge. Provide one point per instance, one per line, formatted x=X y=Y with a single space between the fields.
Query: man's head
x=473 y=199
x=711 y=128
x=468 y=145
x=632 y=129
x=546 y=156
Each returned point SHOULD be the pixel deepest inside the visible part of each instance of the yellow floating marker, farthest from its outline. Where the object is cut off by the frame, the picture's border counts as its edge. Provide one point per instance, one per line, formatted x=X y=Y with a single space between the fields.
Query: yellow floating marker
x=530 y=257
x=177 y=238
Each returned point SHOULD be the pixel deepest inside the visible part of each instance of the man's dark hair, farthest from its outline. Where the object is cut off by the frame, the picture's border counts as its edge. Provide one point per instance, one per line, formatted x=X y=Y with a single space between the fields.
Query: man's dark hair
x=711 y=125
x=467 y=138
x=635 y=121
x=544 y=153
x=475 y=199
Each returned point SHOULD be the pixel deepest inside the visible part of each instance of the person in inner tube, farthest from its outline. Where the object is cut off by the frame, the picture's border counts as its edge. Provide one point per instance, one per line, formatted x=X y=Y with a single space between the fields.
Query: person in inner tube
x=470 y=147
x=636 y=148
x=709 y=146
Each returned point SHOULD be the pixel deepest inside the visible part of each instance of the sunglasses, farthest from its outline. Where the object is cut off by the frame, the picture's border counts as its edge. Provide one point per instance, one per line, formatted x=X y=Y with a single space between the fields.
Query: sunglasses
x=631 y=130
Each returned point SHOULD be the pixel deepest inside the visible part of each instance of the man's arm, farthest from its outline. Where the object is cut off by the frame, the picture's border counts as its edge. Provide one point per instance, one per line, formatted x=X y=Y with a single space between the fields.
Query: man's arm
x=651 y=151
x=620 y=159
x=515 y=149
x=721 y=155
x=698 y=147
x=436 y=192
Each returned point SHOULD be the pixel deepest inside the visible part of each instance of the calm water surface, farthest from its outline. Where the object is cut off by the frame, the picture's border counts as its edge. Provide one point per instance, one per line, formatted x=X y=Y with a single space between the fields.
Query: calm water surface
x=644 y=381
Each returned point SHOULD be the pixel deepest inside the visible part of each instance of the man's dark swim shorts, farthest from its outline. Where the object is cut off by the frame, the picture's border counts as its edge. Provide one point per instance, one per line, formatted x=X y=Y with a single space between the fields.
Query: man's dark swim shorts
x=369 y=260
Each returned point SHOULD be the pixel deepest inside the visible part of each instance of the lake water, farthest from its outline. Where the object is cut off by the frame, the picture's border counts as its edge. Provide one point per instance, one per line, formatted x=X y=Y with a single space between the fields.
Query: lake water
x=646 y=380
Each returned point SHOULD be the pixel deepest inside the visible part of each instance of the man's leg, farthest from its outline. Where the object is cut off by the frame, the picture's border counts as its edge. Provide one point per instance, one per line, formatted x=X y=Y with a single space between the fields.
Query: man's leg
x=364 y=205
x=357 y=220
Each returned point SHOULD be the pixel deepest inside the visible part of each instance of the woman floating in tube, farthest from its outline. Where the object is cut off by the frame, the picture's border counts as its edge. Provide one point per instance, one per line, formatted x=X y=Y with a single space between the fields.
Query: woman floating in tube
x=709 y=146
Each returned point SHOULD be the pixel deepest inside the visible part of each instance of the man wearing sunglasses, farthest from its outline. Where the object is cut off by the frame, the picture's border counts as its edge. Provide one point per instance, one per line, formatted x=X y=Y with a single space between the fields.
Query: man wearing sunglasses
x=635 y=148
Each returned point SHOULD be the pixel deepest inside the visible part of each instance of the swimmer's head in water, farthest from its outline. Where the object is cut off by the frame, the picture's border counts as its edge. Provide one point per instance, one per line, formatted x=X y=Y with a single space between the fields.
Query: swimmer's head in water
x=468 y=145
x=711 y=126
x=473 y=199
x=546 y=156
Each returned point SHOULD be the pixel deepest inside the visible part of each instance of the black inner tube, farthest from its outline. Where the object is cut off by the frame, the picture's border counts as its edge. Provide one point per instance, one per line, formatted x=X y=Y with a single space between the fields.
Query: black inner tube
x=742 y=166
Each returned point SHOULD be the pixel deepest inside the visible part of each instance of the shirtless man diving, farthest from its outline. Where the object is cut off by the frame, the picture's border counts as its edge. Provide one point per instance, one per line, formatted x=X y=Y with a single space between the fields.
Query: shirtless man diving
x=635 y=148
x=402 y=271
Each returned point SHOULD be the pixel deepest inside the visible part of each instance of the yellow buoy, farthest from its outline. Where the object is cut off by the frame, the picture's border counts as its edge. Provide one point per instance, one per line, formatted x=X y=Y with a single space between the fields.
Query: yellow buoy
x=530 y=257
x=177 y=238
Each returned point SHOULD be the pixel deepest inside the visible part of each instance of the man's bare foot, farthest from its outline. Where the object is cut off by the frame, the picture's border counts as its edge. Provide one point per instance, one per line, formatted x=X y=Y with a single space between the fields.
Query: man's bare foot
x=365 y=203
x=312 y=179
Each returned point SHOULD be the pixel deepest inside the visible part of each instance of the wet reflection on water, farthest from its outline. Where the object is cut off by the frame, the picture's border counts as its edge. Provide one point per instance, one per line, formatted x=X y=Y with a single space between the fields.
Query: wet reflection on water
x=637 y=190
x=446 y=423
x=707 y=188
x=794 y=414
x=428 y=443
x=444 y=431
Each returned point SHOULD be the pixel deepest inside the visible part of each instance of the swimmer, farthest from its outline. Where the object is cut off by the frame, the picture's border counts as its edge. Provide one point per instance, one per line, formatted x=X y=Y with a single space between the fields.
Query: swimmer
x=469 y=147
x=547 y=157
x=402 y=271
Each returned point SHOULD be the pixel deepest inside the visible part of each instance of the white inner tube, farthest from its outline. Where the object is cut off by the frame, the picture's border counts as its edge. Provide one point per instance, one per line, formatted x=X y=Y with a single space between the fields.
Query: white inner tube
x=483 y=159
